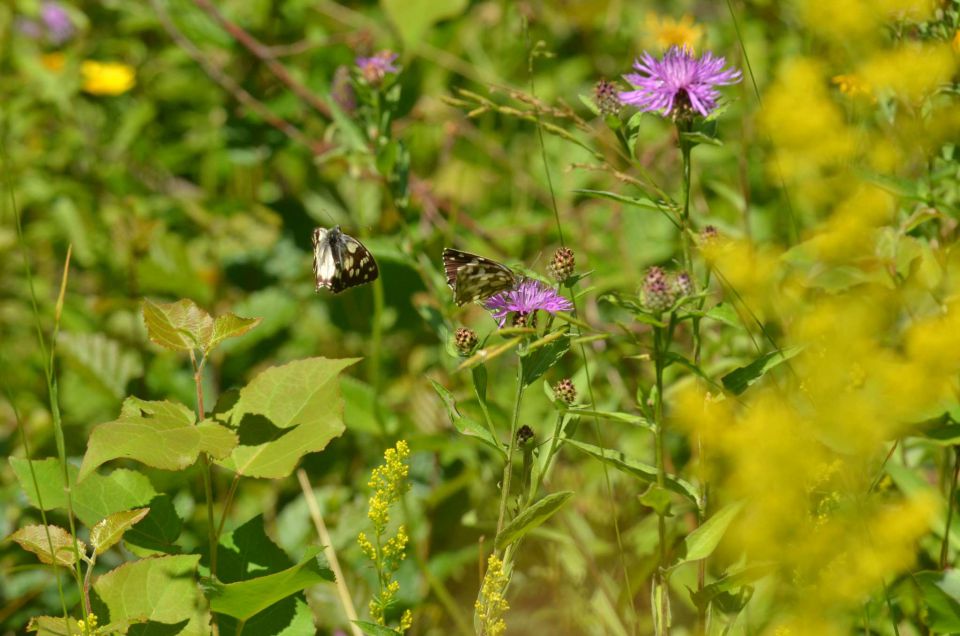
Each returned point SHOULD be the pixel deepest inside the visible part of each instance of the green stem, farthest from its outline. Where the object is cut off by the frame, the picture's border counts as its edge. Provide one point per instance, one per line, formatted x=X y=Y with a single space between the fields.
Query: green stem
x=953 y=493
x=659 y=348
x=376 y=357
x=554 y=445
x=685 y=148
x=207 y=480
x=508 y=469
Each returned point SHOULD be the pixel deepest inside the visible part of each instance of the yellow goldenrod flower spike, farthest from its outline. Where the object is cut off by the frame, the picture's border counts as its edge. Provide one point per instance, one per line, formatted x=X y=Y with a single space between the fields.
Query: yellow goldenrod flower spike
x=491 y=605
x=107 y=78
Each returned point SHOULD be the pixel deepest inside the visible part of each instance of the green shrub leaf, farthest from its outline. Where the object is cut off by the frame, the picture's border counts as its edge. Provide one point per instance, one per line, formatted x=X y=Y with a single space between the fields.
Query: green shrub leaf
x=180 y=326
x=35 y=539
x=108 y=532
x=532 y=517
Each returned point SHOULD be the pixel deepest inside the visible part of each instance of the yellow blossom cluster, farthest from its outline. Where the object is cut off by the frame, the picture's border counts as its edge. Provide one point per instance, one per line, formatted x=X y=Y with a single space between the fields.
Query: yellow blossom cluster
x=664 y=32
x=89 y=627
x=388 y=482
x=491 y=604
x=99 y=78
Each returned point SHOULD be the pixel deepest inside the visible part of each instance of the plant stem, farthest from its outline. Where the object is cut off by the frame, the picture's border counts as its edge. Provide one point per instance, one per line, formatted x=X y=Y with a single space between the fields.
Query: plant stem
x=207 y=480
x=950 y=502
x=508 y=469
x=685 y=212
x=663 y=609
x=554 y=445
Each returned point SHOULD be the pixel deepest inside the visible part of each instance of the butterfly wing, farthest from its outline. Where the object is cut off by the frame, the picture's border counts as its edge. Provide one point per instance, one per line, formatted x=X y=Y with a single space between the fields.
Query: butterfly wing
x=474 y=278
x=341 y=261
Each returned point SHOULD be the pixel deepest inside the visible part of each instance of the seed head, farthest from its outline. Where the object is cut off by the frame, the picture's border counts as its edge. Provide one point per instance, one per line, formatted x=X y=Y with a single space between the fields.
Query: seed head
x=465 y=340
x=606 y=96
x=565 y=391
x=657 y=294
x=563 y=263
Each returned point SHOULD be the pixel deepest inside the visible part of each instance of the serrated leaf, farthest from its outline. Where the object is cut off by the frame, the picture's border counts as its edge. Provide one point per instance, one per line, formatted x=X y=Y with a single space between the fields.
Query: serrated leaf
x=158 y=590
x=532 y=517
x=701 y=543
x=108 y=532
x=244 y=599
x=284 y=413
x=158 y=434
x=372 y=629
x=54 y=626
x=229 y=326
x=180 y=326
x=738 y=380
x=645 y=472
x=102 y=359
x=35 y=539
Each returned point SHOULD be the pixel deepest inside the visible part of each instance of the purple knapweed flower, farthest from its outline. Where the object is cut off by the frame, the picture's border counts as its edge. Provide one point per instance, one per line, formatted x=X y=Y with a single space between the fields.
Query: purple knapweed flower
x=376 y=67
x=678 y=82
x=525 y=299
x=57 y=21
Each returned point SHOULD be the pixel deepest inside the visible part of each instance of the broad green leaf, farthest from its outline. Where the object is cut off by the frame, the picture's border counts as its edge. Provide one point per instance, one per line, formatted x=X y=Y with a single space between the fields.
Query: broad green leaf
x=738 y=380
x=303 y=411
x=944 y=434
x=160 y=590
x=54 y=626
x=94 y=498
x=158 y=531
x=941 y=595
x=532 y=517
x=102 y=359
x=372 y=629
x=244 y=599
x=39 y=540
x=701 y=543
x=614 y=416
x=414 y=18
x=645 y=472
x=158 y=434
x=229 y=326
x=465 y=425
x=108 y=532
x=657 y=498
x=539 y=360
x=181 y=326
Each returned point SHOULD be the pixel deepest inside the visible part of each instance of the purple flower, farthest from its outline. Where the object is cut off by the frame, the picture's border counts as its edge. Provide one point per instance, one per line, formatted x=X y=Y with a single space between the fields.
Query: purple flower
x=376 y=67
x=679 y=81
x=524 y=299
x=57 y=22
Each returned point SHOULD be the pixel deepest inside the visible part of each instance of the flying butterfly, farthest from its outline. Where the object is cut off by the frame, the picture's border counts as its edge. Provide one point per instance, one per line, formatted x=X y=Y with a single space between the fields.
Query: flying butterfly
x=341 y=261
x=475 y=278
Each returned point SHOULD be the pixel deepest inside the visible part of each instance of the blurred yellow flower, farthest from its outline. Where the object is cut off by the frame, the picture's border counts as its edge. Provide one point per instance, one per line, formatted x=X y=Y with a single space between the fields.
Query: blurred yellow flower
x=665 y=31
x=106 y=78
x=53 y=61
x=853 y=86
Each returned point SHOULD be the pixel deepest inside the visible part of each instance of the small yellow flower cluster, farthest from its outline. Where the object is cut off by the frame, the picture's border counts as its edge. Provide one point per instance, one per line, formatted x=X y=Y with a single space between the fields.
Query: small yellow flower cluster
x=388 y=482
x=665 y=31
x=853 y=86
x=99 y=78
x=89 y=626
x=491 y=604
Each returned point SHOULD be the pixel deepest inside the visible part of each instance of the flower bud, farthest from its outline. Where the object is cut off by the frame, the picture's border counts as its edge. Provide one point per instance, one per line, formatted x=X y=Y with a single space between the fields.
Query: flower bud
x=607 y=98
x=562 y=266
x=683 y=285
x=524 y=434
x=656 y=294
x=565 y=391
x=709 y=234
x=465 y=340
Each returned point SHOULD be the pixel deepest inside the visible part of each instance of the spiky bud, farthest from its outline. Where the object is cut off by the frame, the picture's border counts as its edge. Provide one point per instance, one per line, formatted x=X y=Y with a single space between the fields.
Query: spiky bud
x=605 y=95
x=524 y=434
x=562 y=265
x=657 y=293
x=565 y=391
x=465 y=340
x=683 y=285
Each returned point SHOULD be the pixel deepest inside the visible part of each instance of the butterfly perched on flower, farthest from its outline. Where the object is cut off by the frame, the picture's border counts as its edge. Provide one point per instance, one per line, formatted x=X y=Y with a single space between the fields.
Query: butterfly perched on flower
x=341 y=261
x=473 y=277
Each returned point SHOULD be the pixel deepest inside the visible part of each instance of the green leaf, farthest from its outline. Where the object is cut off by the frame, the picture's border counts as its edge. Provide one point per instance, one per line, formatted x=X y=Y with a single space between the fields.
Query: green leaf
x=35 y=539
x=657 y=498
x=532 y=517
x=696 y=138
x=158 y=434
x=303 y=411
x=541 y=359
x=645 y=472
x=701 y=543
x=637 y=202
x=180 y=326
x=414 y=18
x=941 y=594
x=160 y=590
x=158 y=531
x=108 y=532
x=944 y=434
x=244 y=599
x=614 y=416
x=229 y=326
x=102 y=359
x=94 y=498
x=465 y=425
x=739 y=379
x=54 y=626
x=372 y=629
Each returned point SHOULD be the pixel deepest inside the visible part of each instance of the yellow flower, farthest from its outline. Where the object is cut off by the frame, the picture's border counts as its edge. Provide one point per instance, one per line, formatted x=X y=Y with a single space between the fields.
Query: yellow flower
x=53 y=62
x=666 y=31
x=106 y=78
x=853 y=86
x=491 y=604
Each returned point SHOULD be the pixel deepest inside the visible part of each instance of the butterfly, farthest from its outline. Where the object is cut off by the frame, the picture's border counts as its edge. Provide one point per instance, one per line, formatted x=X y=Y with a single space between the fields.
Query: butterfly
x=341 y=261
x=473 y=277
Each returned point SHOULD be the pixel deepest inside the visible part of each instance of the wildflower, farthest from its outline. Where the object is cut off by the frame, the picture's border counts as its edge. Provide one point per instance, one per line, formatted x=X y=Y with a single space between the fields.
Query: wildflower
x=90 y=626
x=852 y=85
x=376 y=67
x=341 y=90
x=606 y=98
x=683 y=285
x=565 y=391
x=388 y=483
x=106 y=78
x=465 y=340
x=53 y=62
x=679 y=83
x=667 y=32
x=656 y=294
x=54 y=25
x=491 y=604
x=561 y=267
x=524 y=300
